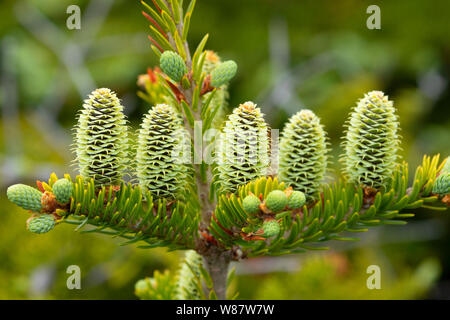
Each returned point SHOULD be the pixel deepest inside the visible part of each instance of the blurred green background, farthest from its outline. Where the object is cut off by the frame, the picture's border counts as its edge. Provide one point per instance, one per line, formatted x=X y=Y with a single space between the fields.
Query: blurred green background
x=291 y=55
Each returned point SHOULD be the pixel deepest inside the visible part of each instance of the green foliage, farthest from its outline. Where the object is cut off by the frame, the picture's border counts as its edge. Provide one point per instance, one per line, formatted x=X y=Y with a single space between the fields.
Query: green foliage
x=296 y=200
x=172 y=65
x=134 y=214
x=244 y=148
x=160 y=287
x=303 y=153
x=188 y=275
x=223 y=73
x=101 y=138
x=276 y=201
x=372 y=141
x=442 y=184
x=41 y=224
x=343 y=207
x=25 y=197
x=250 y=204
x=62 y=189
x=160 y=137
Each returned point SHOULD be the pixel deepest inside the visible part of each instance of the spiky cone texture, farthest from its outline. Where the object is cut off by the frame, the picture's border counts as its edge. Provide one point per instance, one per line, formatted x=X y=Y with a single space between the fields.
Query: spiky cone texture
x=187 y=276
x=41 y=224
x=101 y=138
x=303 y=153
x=243 y=150
x=25 y=196
x=372 y=141
x=160 y=139
x=173 y=65
x=62 y=189
x=223 y=73
x=442 y=184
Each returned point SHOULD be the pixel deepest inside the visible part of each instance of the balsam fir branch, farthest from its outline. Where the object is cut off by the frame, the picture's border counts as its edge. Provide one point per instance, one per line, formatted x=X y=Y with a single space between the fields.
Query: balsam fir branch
x=231 y=209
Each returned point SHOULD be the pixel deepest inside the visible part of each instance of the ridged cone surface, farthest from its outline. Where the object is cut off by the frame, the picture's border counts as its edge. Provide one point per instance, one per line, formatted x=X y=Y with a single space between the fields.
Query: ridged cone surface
x=41 y=224
x=243 y=152
x=303 y=153
x=25 y=196
x=160 y=139
x=62 y=189
x=442 y=184
x=101 y=138
x=223 y=73
x=372 y=141
x=173 y=65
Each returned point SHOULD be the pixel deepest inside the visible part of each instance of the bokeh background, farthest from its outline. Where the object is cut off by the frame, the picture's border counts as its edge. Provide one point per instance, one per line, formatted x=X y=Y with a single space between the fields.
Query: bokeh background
x=291 y=55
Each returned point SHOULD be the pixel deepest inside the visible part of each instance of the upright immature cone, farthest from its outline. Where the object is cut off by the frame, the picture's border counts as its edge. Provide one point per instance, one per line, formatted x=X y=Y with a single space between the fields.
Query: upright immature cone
x=243 y=153
x=160 y=139
x=303 y=153
x=101 y=138
x=223 y=73
x=173 y=65
x=372 y=141
x=219 y=100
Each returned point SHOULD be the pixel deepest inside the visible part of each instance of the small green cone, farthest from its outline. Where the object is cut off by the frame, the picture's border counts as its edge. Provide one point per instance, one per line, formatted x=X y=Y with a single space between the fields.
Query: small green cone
x=296 y=200
x=271 y=228
x=251 y=204
x=223 y=73
x=276 y=201
x=442 y=184
x=41 y=224
x=173 y=65
x=25 y=196
x=62 y=189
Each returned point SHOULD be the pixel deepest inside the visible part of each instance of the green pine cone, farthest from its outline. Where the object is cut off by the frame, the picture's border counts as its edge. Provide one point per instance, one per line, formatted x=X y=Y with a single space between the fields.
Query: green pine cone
x=159 y=139
x=187 y=275
x=219 y=100
x=276 y=201
x=271 y=228
x=223 y=73
x=173 y=65
x=372 y=141
x=251 y=204
x=101 y=138
x=243 y=149
x=62 y=189
x=303 y=153
x=25 y=196
x=296 y=200
x=41 y=224
x=442 y=184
